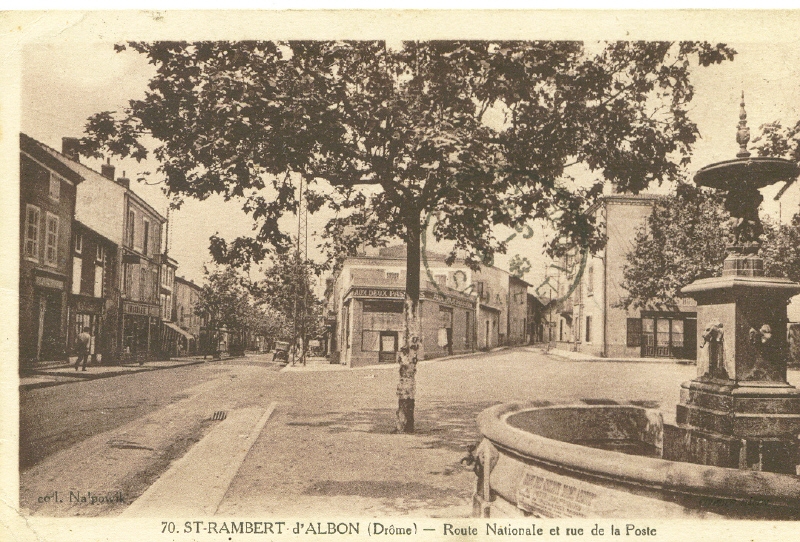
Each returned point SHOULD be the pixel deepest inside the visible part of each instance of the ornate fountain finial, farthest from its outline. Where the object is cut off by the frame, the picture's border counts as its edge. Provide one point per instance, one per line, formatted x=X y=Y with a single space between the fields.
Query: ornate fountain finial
x=743 y=133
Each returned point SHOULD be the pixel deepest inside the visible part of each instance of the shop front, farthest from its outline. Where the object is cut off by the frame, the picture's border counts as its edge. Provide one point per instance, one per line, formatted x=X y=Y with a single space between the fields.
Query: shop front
x=141 y=325
x=47 y=340
x=87 y=312
x=372 y=324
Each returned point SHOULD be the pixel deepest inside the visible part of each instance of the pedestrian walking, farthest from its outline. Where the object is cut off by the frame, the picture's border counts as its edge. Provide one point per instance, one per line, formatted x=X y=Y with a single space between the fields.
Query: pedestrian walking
x=82 y=346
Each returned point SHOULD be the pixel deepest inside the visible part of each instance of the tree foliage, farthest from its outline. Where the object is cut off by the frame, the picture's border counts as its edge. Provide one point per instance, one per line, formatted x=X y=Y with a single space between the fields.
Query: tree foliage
x=244 y=119
x=287 y=287
x=781 y=249
x=519 y=266
x=476 y=133
x=684 y=239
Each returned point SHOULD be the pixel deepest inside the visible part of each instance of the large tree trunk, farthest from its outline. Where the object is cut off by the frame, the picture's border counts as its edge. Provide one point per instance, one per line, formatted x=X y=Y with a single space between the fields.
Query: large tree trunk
x=411 y=347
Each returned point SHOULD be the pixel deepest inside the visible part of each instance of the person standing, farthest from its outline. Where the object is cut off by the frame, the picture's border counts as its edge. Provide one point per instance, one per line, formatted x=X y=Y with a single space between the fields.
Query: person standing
x=83 y=345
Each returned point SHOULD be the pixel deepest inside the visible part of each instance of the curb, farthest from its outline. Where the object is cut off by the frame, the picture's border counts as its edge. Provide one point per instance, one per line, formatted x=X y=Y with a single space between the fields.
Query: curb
x=586 y=358
x=335 y=367
x=97 y=376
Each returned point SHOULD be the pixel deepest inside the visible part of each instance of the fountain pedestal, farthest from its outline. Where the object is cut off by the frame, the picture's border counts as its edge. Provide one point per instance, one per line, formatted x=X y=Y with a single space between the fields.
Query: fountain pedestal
x=740 y=412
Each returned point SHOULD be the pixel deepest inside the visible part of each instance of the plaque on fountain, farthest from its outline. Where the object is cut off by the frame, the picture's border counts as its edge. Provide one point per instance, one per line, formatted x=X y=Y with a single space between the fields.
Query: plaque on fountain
x=740 y=411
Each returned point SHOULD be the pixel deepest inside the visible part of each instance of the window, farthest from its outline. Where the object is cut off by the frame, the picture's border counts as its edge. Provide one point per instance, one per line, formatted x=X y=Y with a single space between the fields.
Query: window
x=98 y=280
x=100 y=254
x=32 y=216
x=127 y=279
x=131 y=228
x=51 y=240
x=590 y=280
x=154 y=283
x=145 y=235
x=77 y=271
x=634 y=338
x=588 y=329
x=78 y=242
x=55 y=187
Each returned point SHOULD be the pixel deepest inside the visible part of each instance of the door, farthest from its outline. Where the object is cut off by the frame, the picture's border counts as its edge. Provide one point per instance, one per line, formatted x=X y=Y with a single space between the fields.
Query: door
x=388 y=347
x=648 y=337
x=690 y=338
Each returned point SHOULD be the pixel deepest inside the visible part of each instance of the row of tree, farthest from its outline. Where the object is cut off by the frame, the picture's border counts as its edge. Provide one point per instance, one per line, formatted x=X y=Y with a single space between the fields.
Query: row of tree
x=279 y=306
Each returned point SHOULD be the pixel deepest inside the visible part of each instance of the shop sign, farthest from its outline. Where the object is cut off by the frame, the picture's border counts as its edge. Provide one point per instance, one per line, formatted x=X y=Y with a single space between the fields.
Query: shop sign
x=378 y=292
x=141 y=310
x=47 y=282
x=400 y=294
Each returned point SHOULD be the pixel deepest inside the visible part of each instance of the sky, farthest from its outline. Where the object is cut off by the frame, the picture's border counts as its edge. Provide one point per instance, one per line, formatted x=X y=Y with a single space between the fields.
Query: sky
x=62 y=86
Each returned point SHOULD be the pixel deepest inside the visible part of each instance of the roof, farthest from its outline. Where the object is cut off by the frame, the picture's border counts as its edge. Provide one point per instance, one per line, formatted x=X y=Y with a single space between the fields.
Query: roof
x=39 y=151
x=401 y=251
x=635 y=199
x=83 y=172
x=188 y=282
x=516 y=278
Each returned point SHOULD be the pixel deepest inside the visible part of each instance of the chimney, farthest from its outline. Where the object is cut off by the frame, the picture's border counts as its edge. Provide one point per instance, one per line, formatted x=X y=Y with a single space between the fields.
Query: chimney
x=124 y=181
x=107 y=170
x=70 y=148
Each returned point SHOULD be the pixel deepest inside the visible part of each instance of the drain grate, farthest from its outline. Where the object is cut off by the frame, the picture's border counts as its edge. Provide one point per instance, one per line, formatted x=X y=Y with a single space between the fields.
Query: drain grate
x=219 y=415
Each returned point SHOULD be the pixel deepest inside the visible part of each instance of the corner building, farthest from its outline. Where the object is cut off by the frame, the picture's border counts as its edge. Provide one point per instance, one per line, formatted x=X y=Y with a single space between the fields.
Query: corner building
x=365 y=304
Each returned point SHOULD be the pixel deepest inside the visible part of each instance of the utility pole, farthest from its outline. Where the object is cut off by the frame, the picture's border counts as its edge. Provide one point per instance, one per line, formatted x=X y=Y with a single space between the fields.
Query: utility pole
x=301 y=293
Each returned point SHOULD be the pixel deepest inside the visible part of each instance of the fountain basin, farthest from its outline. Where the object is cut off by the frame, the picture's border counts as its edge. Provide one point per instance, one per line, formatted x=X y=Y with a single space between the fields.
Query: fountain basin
x=606 y=461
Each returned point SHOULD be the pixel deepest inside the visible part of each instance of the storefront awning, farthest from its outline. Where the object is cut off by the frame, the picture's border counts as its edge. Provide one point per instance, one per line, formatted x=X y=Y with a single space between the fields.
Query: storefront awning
x=176 y=328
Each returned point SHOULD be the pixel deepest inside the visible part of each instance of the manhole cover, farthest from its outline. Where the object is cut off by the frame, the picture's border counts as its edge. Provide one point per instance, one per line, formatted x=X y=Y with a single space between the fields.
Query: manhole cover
x=219 y=415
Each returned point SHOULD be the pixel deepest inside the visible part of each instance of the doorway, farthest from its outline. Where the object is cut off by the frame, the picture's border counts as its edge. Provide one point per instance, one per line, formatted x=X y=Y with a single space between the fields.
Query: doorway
x=388 y=347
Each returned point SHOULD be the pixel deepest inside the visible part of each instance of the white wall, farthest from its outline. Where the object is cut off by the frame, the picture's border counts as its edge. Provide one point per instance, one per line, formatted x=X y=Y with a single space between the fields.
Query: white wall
x=100 y=205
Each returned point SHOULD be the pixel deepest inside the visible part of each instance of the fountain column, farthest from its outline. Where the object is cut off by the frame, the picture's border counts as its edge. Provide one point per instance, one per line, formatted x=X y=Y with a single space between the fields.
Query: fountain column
x=740 y=411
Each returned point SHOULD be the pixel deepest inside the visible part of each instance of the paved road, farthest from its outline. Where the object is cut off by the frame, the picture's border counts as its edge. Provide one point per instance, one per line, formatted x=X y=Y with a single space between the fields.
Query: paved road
x=327 y=443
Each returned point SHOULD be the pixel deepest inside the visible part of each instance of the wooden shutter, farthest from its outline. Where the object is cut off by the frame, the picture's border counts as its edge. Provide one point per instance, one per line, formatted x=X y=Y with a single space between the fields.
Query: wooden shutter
x=634 y=332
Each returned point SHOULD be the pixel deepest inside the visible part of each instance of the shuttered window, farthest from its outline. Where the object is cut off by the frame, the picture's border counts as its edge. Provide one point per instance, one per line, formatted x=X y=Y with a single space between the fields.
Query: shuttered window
x=634 y=332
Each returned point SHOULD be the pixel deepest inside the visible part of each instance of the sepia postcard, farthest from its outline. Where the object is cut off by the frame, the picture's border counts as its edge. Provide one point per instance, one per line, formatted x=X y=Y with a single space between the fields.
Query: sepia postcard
x=400 y=274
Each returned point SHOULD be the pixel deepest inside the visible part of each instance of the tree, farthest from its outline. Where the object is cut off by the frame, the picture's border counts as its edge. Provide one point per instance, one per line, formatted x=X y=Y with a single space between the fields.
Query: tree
x=519 y=266
x=684 y=239
x=780 y=249
x=246 y=119
x=225 y=303
x=287 y=288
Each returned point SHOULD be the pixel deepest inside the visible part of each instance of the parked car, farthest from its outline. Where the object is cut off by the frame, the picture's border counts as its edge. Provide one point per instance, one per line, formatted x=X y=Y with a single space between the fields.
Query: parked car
x=281 y=351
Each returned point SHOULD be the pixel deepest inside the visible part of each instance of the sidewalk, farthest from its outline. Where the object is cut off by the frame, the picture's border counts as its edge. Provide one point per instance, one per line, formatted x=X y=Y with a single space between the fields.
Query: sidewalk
x=582 y=356
x=322 y=364
x=64 y=374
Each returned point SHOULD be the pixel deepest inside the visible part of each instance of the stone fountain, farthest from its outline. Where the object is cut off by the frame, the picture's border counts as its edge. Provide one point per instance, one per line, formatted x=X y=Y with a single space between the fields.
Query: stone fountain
x=740 y=411
x=734 y=449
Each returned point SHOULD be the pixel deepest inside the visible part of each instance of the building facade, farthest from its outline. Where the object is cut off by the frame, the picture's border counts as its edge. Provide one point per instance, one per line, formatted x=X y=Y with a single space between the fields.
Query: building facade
x=517 y=331
x=94 y=293
x=462 y=310
x=365 y=308
x=107 y=206
x=590 y=314
x=47 y=207
x=185 y=297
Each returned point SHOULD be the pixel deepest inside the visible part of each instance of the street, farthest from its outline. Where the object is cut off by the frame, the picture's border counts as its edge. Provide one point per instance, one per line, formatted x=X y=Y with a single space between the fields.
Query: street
x=326 y=443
